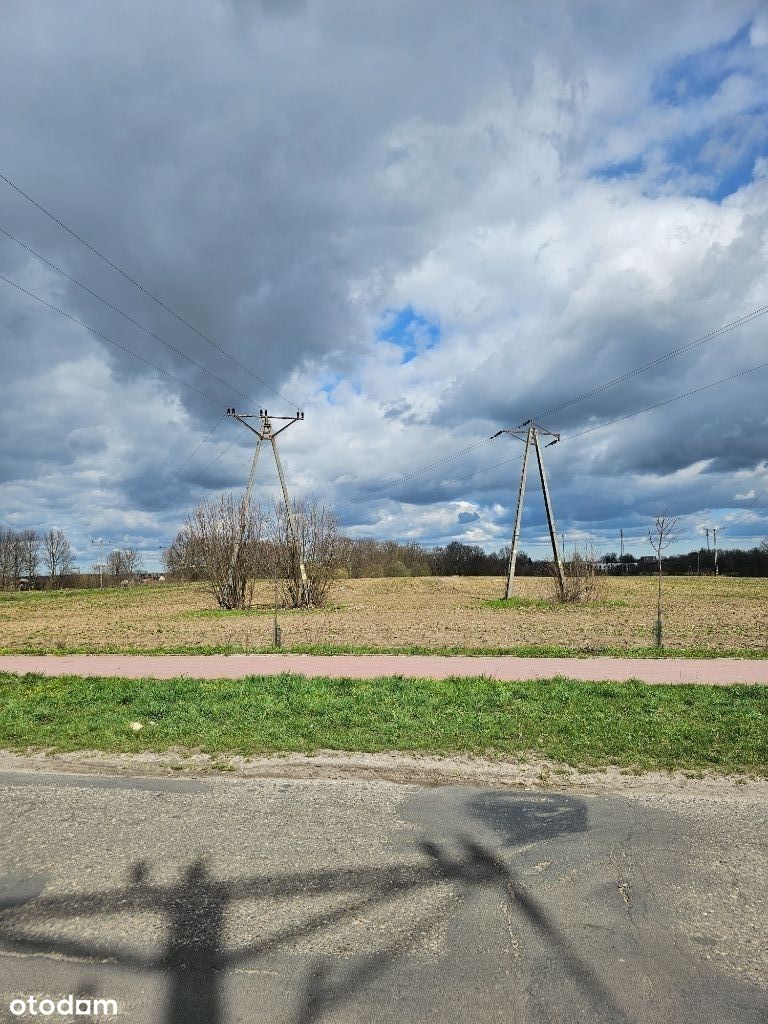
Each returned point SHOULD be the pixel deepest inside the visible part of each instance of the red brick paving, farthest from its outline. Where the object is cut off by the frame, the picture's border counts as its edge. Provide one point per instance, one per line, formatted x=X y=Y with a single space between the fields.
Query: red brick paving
x=716 y=671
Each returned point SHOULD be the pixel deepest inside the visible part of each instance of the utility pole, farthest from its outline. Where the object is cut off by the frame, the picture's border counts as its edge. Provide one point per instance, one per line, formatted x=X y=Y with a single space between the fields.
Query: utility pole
x=531 y=432
x=714 y=531
x=706 y=529
x=622 y=544
x=266 y=432
x=101 y=542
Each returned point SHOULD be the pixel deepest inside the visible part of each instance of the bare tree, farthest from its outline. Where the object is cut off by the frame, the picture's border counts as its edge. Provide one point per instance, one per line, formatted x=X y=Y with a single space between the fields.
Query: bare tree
x=10 y=553
x=115 y=565
x=58 y=557
x=124 y=564
x=317 y=543
x=134 y=564
x=225 y=535
x=663 y=533
x=183 y=557
x=30 y=553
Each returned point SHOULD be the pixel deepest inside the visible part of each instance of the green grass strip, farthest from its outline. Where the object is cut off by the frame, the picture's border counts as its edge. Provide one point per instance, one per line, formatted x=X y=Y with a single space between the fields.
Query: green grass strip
x=721 y=729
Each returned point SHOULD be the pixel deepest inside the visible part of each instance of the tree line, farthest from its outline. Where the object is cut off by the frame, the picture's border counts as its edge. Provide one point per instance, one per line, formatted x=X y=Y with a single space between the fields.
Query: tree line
x=32 y=559
x=23 y=553
x=203 y=547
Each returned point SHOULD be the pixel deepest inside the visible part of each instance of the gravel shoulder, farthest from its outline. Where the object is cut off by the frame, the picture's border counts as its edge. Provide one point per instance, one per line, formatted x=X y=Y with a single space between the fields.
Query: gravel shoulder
x=401 y=768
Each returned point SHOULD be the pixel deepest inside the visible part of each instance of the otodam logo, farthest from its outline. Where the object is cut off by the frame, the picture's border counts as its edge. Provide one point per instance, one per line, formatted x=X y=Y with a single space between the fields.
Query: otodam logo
x=66 y=1006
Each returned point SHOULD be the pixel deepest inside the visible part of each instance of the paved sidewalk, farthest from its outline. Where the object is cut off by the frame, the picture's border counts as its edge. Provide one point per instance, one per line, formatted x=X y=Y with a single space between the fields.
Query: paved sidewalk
x=715 y=671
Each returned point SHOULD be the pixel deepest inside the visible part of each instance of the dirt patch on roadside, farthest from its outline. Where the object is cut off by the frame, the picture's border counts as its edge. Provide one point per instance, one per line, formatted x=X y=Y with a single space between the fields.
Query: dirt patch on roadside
x=415 y=769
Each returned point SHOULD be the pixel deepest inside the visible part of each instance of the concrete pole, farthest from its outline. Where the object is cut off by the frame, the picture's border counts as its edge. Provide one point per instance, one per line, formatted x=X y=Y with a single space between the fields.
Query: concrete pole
x=100 y=542
x=518 y=517
x=244 y=507
x=714 y=530
x=291 y=522
x=252 y=474
x=550 y=516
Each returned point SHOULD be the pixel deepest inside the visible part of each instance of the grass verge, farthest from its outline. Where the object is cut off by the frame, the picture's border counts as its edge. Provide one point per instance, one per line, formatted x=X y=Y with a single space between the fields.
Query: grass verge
x=720 y=729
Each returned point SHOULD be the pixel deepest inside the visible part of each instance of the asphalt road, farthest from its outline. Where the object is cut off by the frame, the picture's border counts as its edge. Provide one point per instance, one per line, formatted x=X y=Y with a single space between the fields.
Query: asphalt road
x=229 y=899
x=715 y=671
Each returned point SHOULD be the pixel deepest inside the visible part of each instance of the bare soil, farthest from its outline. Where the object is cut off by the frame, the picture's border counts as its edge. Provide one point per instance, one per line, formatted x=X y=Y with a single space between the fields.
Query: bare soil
x=702 y=614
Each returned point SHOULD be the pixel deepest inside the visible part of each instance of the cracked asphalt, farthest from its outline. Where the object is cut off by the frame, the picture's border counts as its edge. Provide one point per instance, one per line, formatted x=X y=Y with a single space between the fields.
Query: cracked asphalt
x=215 y=900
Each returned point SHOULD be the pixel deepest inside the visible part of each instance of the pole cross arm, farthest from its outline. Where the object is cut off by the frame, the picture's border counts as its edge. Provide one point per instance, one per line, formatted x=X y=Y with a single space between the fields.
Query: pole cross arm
x=522 y=431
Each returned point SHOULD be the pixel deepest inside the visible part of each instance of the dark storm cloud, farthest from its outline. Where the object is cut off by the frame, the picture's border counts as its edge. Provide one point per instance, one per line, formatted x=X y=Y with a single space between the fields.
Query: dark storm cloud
x=283 y=174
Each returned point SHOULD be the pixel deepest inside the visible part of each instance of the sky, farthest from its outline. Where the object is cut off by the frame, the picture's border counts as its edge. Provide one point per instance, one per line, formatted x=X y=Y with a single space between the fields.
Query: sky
x=418 y=223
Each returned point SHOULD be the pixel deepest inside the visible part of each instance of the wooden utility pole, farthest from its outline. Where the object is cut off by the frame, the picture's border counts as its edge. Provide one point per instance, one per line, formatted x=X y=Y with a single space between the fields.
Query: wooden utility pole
x=531 y=431
x=266 y=432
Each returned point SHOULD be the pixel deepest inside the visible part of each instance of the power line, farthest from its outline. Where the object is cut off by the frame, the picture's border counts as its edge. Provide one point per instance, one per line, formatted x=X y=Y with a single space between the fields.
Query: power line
x=742 y=512
x=416 y=472
x=194 y=453
x=142 y=289
x=680 y=350
x=111 y=341
x=213 y=462
x=619 y=419
x=127 y=316
x=668 y=401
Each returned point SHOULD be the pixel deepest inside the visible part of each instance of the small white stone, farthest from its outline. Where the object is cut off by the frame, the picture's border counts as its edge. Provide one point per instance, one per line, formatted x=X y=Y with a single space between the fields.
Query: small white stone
x=136 y=726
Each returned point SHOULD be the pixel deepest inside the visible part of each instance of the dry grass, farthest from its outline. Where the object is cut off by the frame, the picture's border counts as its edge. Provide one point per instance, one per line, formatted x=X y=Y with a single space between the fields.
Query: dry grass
x=703 y=614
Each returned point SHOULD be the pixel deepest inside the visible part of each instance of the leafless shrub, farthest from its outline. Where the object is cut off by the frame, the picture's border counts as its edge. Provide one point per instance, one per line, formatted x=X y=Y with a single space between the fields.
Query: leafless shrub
x=316 y=543
x=582 y=581
x=223 y=538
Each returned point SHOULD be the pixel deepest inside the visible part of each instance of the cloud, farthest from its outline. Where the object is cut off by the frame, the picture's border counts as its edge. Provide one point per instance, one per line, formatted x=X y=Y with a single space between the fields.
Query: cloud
x=417 y=224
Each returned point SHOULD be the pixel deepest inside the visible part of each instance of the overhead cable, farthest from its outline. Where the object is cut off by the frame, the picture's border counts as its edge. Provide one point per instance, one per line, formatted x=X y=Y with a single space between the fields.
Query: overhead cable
x=111 y=341
x=145 y=291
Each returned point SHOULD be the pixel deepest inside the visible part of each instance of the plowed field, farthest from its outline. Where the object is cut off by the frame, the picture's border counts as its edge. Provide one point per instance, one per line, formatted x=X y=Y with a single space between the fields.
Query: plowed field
x=703 y=614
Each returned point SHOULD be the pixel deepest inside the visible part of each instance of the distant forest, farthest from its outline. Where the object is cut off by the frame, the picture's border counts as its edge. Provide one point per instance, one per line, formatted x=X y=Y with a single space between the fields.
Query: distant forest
x=32 y=561
x=370 y=557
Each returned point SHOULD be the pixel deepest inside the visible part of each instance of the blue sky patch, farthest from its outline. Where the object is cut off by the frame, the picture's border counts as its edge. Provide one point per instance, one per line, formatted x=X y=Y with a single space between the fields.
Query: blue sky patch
x=329 y=386
x=724 y=158
x=697 y=76
x=622 y=169
x=409 y=330
x=714 y=162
